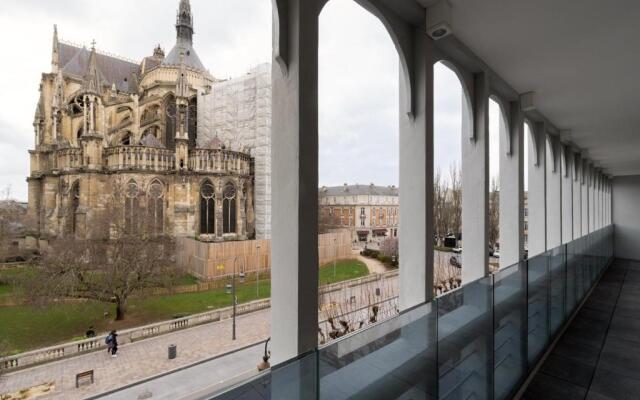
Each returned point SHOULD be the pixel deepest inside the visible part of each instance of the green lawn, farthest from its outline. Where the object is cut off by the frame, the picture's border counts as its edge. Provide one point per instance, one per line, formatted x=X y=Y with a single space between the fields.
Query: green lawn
x=345 y=269
x=27 y=327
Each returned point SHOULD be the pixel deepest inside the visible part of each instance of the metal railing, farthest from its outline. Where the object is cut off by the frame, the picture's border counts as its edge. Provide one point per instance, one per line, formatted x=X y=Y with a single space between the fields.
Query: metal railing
x=479 y=341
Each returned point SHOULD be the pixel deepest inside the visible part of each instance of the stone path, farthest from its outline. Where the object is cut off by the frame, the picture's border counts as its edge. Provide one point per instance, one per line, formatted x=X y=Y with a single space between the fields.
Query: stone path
x=142 y=359
x=148 y=358
x=374 y=266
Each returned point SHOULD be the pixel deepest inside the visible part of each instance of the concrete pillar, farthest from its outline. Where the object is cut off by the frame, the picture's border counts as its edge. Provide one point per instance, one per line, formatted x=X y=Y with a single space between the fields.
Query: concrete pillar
x=294 y=172
x=416 y=178
x=584 y=188
x=475 y=185
x=591 y=190
x=567 y=193
x=554 y=193
x=577 y=195
x=512 y=187
x=537 y=191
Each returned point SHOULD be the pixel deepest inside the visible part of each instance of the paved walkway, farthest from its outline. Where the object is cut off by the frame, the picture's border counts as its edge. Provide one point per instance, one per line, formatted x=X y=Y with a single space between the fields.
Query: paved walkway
x=598 y=357
x=143 y=359
x=148 y=358
x=374 y=266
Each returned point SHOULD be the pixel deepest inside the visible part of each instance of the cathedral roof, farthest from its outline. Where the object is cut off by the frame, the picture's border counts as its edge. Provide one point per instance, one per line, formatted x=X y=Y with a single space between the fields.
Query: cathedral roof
x=191 y=59
x=184 y=40
x=112 y=70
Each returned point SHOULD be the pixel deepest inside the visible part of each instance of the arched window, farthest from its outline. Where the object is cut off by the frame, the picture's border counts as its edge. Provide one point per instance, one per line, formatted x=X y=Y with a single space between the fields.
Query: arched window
x=192 y=122
x=131 y=208
x=170 y=122
x=74 y=198
x=229 y=209
x=207 y=208
x=155 y=208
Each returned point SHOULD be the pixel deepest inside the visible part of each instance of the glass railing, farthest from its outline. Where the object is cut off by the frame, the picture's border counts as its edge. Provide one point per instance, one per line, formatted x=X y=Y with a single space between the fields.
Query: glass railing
x=477 y=342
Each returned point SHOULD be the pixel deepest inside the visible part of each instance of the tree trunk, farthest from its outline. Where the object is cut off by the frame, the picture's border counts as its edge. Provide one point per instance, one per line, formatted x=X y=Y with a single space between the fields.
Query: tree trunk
x=121 y=308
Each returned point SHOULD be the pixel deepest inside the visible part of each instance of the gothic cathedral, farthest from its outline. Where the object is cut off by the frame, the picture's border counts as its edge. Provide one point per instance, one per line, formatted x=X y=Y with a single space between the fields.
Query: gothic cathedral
x=112 y=131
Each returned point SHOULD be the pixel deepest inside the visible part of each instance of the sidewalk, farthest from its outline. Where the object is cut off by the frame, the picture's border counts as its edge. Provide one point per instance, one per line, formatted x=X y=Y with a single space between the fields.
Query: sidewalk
x=140 y=360
x=148 y=358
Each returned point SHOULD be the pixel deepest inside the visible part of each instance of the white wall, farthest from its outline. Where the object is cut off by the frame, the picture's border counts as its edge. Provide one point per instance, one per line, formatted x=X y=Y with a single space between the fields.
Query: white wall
x=626 y=216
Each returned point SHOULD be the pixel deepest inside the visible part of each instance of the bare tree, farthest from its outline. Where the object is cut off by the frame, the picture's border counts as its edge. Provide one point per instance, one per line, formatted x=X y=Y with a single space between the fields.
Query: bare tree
x=494 y=213
x=455 y=216
x=120 y=258
x=440 y=204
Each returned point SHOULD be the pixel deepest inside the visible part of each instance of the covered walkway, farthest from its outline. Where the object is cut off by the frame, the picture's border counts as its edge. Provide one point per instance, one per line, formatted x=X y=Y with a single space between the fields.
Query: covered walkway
x=598 y=356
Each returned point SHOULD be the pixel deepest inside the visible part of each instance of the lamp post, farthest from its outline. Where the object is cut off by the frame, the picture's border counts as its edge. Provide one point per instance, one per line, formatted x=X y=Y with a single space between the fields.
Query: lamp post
x=233 y=299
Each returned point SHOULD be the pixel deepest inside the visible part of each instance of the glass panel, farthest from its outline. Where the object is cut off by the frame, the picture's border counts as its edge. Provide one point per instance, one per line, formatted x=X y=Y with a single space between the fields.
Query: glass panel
x=510 y=333
x=465 y=342
x=557 y=289
x=295 y=379
x=538 y=298
x=394 y=359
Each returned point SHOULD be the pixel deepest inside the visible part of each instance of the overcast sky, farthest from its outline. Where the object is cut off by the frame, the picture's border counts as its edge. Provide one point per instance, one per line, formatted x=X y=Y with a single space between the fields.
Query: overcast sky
x=358 y=74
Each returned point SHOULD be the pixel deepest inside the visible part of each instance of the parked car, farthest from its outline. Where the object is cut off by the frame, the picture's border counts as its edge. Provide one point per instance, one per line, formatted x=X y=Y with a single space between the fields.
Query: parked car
x=496 y=254
x=457 y=250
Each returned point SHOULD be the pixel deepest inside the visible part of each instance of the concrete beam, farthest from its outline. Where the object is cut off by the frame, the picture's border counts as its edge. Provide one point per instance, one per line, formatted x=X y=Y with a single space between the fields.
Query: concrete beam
x=475 y=185
x=537 y=190
x=577 y=196
x=584 y=188
x=554 y=192
x=567 y=193
x=294 y=169
x=512 y=187
x=416 y=179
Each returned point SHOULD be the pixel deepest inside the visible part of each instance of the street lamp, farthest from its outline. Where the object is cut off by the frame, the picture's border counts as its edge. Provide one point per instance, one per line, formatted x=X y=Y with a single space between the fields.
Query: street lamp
x=234 y=299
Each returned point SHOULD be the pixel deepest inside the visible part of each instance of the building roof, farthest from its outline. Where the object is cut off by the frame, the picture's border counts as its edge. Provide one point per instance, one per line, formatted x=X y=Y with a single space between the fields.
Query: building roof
x=191 y=59
x=346 y=190
x=73 y=60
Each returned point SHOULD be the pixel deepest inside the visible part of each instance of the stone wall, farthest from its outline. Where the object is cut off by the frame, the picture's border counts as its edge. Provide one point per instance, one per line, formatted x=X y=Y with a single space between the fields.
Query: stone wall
x=238 y=111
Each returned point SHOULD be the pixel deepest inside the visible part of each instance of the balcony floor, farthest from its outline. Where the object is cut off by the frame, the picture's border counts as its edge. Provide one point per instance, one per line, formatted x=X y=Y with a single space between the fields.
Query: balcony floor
x=598 y=357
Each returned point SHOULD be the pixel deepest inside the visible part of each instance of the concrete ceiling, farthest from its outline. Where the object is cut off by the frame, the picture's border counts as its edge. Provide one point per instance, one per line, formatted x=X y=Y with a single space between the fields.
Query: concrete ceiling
x=581 y=57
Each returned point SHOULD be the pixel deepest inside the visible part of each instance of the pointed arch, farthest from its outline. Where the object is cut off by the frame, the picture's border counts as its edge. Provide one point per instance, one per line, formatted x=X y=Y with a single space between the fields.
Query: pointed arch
x=229 y=212
x=74 y=204
x=207 y=208
x=155 y=207
x=131 y=207
x=170 y=121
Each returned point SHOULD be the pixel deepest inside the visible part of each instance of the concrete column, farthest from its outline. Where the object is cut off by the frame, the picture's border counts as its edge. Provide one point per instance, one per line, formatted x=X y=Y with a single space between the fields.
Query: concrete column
x=475 y=184
x=577 y=195
x=554 y=193
x=294 y=172
x=596 y=212
x=567 y=193
x=512 y=187
x=592 y=208
x=584 y=188
x=416 y=178
x=537 y=191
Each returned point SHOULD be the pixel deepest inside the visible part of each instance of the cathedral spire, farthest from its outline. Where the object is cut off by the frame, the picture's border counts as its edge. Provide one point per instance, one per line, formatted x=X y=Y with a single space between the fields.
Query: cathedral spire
x=55 y=58
x=184 y=22
x=91 y=82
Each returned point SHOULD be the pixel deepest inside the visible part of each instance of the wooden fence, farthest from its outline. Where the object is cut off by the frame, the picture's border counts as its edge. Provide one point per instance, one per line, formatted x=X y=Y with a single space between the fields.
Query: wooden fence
x=207 y=260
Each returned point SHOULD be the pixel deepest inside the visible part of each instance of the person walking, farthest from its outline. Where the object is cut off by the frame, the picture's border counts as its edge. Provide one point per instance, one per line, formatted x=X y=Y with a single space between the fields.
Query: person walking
x=112 y=343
